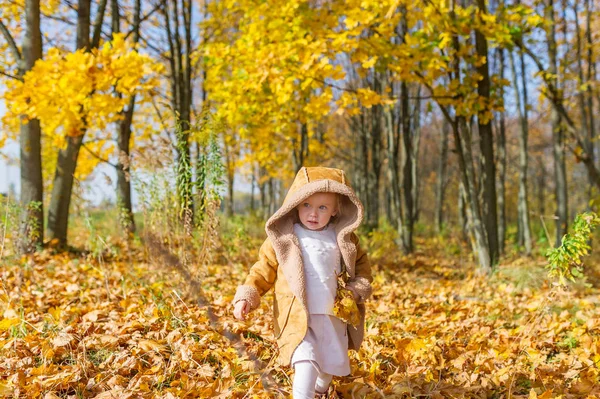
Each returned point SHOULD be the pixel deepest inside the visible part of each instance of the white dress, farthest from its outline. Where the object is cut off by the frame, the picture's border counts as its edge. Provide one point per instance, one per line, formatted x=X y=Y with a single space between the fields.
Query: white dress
x=326 y=341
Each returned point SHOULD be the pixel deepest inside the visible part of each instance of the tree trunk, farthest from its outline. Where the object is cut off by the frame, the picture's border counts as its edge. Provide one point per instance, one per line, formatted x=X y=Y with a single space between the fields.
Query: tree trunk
x=541 y=187
x=229 y=203
x=375 y=135
x=488 y=171
x=32 y=219
x=201 y=171
x=523 y=200
x=407 y=172
x=62 y=186
x=180 y=47
x=393 y=145
x=123 y=171
x=124 y=138
x=554 y=95
x=440 y=187
x=201 y=156
x=407 y=204
x=262 y=187
x=462 y=212
x=252 y=189
x=586 y=119
x=558 y=134
x=477 y=231
x=58 y=212
x=272 y=203
x=416 y=143
x=361 y=164
x=591 y=75
x=300 y=148
x=501 y=140
x=230 y=178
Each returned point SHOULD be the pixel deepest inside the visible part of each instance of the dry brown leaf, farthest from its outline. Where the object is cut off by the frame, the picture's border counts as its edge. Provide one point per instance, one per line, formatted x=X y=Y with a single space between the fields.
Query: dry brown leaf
x=63 y=339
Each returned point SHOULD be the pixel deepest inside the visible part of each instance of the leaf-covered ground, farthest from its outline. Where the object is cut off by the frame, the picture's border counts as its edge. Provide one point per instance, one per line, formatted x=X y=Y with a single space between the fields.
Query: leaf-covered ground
x=125 y=327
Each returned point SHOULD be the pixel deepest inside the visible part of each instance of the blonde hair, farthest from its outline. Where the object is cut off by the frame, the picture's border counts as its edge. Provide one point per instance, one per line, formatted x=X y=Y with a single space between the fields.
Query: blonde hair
x=339 y=204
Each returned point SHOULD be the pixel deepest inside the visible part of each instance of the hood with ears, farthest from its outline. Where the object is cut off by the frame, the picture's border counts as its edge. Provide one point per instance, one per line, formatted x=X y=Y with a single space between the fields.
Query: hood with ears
x=280 y=260
x=280 y=226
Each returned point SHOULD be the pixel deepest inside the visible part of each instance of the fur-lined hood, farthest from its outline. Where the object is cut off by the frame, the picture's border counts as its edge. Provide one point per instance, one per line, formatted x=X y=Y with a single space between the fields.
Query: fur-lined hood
x=280 y=260
x=280 y=226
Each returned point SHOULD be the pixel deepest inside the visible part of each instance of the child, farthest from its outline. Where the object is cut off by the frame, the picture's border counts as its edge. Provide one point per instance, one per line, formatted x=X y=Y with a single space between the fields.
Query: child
x=310 y=242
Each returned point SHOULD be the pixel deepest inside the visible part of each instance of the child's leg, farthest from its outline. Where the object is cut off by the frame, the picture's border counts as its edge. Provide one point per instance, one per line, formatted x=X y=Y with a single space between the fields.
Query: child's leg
x=307 y=380
x=322 y=383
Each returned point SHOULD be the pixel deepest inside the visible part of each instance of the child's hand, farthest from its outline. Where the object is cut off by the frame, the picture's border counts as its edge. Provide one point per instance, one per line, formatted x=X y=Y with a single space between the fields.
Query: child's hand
x=356 y=296
x=241 y=309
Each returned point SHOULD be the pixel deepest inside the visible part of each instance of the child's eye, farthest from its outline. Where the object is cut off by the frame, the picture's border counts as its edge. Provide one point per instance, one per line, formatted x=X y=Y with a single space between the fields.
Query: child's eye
x=306 y=205
x=323 y=208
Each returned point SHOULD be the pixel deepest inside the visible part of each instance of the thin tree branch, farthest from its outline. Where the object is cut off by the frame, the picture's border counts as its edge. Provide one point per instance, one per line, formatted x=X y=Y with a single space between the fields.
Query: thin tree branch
x=98 y=157
x=162 y=121
x=11 y=43
x=8 y=75
x=144 y=18
x=98 y=24
x=59 y=19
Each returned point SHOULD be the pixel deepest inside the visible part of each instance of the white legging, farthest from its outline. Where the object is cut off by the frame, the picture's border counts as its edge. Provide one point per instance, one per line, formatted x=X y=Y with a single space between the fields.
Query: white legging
x=308 y=379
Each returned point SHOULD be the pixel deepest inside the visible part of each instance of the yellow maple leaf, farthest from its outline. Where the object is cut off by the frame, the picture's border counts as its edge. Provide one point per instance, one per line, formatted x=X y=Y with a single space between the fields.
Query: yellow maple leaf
x=344 y=307
x=6 y=324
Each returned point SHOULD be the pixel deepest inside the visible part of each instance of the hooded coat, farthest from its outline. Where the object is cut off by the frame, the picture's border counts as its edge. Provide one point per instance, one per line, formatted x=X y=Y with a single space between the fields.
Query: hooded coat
x=280 y=260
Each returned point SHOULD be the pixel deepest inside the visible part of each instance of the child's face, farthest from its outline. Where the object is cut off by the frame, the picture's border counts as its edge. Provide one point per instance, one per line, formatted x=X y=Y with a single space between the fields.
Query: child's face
x=316 y=210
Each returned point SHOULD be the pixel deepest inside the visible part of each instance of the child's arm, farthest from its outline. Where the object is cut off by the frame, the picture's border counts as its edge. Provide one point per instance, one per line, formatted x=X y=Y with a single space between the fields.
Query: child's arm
x=260 y=279
x=361 y=283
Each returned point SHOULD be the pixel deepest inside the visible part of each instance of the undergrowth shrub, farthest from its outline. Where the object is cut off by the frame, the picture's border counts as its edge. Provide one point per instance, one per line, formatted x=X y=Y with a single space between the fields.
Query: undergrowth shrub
x=565 y=262
x=242 y=236
x=10 y=234
x=381 y=243
x=164 y=219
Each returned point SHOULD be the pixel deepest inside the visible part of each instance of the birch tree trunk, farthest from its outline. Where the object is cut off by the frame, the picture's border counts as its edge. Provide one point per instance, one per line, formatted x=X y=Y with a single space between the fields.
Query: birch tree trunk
x=440 y=187
x=477 y=229
x=523 y=200
x=558 y=134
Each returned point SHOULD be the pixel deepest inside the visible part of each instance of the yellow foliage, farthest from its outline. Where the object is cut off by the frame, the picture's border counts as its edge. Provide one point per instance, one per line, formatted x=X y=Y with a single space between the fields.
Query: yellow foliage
x=74 y=92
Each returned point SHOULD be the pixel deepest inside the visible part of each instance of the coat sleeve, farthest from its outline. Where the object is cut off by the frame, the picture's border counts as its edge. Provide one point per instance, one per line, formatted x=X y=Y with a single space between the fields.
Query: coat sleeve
x=261 y=277
x=361 y=282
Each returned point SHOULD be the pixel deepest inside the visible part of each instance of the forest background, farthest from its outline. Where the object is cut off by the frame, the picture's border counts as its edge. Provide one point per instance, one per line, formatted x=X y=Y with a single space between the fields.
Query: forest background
x=467 y=127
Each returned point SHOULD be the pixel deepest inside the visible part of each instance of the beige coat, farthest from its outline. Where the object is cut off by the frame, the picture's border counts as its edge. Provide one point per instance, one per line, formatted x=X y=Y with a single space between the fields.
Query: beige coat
x=280 y=260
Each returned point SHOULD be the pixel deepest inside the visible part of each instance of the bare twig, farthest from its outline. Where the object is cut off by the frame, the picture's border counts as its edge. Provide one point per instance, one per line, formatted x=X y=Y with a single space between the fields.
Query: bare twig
x=8 y=75
x=98 y=157
x=11 y=42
